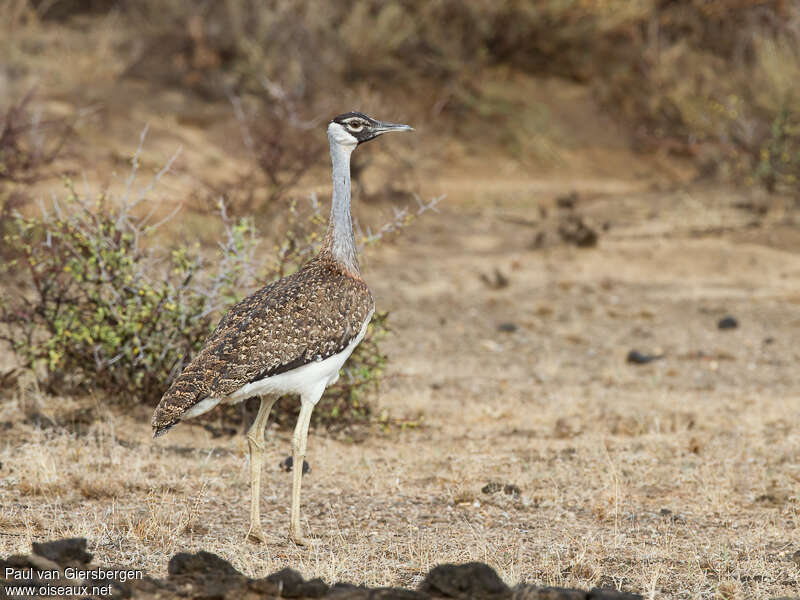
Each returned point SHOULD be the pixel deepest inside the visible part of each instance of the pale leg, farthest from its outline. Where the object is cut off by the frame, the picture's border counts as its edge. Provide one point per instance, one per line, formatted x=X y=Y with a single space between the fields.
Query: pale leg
x=299 y=450
x=255 y=440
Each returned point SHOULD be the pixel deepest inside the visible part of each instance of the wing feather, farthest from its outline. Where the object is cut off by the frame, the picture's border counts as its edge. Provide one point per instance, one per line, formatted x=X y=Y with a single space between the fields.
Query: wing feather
x=307 y=316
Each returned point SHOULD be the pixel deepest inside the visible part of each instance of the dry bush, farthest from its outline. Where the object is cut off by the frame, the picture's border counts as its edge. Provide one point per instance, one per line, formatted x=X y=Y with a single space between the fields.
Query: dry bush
x=29 y=145
x=280 y=148
x=29 y=142
x=310 y=49
x=101 y=311
x=712 y=81
x=105 y=307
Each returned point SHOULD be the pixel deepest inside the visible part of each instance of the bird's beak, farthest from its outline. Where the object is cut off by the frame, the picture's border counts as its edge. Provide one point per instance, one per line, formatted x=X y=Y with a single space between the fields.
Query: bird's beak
x=382 y=128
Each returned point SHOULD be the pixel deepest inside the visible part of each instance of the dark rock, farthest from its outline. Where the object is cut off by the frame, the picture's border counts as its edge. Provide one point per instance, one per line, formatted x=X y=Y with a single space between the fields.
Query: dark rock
x=207 y=576
x=66 y=552
x=497 y=281
x=492 y=487
x=671 y=517
x=640 y=358
x=507 y=488
x=263 y=587
x=288 y=464
x=202 y=563
x=507 y=327
x=573 y=230
x=728 y=322
x=352 y=592
x=529 y=592
x=568 y=201
x=342 y=589
x=774 y=497
x=471 y=580
x=292 y=585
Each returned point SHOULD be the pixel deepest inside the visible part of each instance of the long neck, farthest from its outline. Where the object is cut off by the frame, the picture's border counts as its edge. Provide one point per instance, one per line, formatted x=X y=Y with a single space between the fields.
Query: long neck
x=340 y=237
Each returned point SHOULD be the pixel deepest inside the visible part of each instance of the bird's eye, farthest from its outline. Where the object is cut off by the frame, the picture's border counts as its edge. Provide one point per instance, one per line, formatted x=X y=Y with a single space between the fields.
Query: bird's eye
x=355 y=125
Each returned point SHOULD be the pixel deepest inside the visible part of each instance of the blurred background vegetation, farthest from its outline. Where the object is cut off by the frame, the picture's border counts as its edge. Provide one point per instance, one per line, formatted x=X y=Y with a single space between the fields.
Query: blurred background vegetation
x=709 y=83
x=709 y=79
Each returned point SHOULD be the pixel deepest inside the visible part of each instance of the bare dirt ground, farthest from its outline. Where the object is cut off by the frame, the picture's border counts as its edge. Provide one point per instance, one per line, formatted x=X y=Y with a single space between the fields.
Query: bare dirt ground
x=677 y=478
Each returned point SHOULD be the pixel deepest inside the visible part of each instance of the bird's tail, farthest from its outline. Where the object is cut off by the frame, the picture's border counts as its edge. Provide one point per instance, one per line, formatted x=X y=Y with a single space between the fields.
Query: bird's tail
x=159 y=430
x=182 y=395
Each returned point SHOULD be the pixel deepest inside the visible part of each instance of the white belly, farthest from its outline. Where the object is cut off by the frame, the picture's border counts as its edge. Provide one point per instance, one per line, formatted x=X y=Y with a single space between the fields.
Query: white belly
x=302 y=380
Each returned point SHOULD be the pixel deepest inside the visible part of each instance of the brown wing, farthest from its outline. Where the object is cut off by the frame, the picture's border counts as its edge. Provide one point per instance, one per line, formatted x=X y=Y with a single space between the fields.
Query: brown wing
x=307 y=316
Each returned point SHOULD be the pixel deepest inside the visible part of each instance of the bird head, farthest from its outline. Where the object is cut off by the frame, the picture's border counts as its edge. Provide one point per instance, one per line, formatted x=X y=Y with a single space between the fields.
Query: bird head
x=353 y=128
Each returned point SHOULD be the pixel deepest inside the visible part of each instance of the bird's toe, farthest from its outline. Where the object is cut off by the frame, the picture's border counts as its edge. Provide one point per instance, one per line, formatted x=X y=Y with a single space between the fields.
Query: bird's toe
x=300 y=540
x=256 y=535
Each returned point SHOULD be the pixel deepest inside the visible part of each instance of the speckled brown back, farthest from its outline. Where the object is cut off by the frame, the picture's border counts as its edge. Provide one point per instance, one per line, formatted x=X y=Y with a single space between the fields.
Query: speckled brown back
x=307 y=316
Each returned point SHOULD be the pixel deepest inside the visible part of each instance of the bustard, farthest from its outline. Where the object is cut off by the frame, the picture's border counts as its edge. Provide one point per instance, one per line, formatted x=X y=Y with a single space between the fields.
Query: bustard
x=291 y=336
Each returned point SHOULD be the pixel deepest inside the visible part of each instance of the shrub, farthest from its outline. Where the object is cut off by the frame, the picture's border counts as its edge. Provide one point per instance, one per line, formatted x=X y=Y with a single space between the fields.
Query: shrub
x=102 y=312
x=108 y=309
x=28 y=145
x=711 y=81
x=281 y=149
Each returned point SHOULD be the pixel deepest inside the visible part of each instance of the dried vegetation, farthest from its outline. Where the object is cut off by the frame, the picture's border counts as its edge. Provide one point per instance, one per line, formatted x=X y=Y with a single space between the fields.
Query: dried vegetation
x=673 y=477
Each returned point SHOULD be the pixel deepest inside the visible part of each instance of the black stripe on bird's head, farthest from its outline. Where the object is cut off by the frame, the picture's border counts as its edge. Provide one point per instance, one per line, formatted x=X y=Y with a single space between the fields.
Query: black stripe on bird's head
x=364 y=128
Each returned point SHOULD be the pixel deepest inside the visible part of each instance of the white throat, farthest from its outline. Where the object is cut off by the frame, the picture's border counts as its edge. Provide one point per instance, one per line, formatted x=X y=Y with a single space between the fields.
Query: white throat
x=339 y=135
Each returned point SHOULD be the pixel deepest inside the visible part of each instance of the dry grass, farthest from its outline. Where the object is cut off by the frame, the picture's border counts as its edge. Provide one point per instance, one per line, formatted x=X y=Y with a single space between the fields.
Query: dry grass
x=676 y=478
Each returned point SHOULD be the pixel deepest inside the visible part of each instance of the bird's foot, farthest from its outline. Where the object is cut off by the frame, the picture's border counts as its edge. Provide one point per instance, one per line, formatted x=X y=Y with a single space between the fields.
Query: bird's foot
x=255 y=534
x=300 y=540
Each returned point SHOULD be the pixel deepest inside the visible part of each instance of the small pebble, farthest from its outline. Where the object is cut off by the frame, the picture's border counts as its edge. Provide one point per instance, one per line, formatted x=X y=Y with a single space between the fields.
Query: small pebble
x=640 y=358
x=288 y=463
x=728 y=322
x=568 y=201
x=497 y=281
x=507 y=488
x=492 y=487
x=507 y=327
x=575 y=231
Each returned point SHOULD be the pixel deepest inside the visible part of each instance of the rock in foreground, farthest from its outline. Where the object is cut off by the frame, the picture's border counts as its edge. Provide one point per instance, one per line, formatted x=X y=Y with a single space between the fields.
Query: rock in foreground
x=62 y=569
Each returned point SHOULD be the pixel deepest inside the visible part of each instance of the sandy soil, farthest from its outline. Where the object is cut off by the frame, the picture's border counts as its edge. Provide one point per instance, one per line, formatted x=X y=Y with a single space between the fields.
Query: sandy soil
x=677 y=478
